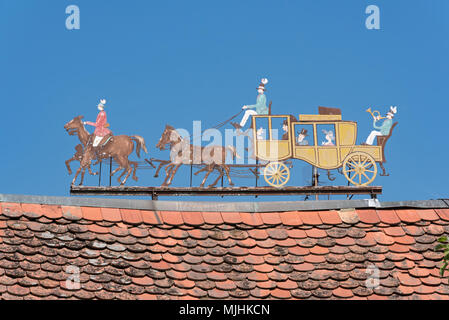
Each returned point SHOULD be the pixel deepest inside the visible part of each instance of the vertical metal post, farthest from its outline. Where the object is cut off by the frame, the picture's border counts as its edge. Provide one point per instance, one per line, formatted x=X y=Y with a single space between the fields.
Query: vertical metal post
x=315 y=179
x=349 y=174
x=257 y=170
x=110 y=171
x=191 y=175
x=99 y=175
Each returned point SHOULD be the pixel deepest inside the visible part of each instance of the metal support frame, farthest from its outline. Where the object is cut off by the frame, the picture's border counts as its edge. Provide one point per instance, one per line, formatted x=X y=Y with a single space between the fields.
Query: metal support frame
x=155 y=192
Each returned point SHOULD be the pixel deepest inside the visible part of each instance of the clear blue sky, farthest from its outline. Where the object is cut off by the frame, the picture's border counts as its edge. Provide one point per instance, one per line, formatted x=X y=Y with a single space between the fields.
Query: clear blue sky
x=159 y=62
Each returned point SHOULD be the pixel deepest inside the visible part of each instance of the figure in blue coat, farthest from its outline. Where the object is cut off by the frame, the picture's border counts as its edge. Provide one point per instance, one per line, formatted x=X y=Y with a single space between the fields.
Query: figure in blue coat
x=259 y=108
x=384 y=129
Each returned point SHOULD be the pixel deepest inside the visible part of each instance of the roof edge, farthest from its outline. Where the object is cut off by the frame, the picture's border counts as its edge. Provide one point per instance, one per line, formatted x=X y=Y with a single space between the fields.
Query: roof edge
x=276 y=206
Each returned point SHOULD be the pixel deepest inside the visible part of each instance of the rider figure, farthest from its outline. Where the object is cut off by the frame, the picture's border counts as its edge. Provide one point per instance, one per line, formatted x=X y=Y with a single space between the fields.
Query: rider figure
x=101 y=133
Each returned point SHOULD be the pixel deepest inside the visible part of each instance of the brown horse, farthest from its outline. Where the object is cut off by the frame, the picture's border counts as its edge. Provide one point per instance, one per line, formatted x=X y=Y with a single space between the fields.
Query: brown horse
x=79 y=151
x=79 y=148
x=181 y=152
x=118 y=147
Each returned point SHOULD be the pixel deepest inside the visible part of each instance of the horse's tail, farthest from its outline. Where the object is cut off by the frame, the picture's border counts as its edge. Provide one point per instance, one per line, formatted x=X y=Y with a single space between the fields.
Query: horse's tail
x=233 y=151
x=140 y=143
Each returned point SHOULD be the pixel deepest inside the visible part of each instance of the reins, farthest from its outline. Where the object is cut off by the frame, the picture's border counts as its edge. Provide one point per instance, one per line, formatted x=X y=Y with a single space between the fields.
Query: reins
x=219 y=125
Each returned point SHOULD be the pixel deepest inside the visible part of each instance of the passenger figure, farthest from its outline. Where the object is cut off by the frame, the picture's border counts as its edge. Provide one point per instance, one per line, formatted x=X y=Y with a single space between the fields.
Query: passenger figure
x=259 y=108
x=285 y=129
x=300 y=140
x=260 y=134
x=384 y=128
x=329 y=138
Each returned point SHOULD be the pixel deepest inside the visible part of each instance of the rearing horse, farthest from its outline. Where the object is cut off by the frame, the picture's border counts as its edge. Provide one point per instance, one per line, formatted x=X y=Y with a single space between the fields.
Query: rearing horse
x=181 y=152
x=118 y=147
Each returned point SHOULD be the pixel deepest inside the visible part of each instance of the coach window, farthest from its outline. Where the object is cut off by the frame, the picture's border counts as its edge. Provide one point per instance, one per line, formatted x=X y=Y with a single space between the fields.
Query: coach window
x=303 y=134
x=261 y=128
x=279 y=128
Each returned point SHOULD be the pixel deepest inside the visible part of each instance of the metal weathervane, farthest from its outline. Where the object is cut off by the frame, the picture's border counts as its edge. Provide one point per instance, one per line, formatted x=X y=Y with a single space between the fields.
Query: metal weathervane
x=323 y=140
x=103 y=144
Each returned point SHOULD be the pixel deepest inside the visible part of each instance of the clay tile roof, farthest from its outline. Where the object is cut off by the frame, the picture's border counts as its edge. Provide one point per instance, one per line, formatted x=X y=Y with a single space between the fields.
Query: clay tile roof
x=131 y=252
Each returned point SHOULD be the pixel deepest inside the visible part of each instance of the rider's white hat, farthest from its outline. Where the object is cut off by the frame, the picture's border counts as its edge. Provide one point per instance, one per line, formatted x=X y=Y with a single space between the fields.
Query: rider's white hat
x=262 y=84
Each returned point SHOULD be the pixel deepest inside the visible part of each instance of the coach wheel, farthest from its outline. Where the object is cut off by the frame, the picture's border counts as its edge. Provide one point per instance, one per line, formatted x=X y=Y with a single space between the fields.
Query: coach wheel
x=276 y=174
x=359 y=168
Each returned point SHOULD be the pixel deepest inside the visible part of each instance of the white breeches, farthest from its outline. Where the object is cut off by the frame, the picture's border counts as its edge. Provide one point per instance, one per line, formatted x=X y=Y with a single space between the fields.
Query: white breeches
x=247 y=114
x=97 y=140
x=372 y=136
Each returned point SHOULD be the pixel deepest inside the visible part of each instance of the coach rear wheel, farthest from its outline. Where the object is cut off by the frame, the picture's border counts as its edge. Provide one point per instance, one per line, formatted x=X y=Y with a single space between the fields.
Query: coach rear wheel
x=276 y=174
x=359 y=168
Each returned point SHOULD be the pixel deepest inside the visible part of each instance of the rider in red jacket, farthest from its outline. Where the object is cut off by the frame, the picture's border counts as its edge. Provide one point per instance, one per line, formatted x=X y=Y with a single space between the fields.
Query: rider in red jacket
x=100 y=125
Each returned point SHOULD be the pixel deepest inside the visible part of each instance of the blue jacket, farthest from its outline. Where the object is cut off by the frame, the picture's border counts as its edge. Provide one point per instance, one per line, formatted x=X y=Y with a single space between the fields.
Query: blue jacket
x=261 y=105
x=385 y=127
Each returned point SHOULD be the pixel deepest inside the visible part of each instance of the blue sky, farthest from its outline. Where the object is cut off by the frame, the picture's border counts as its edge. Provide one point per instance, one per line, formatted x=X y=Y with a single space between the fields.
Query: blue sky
x=159 y=62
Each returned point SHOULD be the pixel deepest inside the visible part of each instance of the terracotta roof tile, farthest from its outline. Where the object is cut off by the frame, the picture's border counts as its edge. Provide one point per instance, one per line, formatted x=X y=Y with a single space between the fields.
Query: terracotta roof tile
x=52 y=212
x=342 y=293
x=316 y=233
x=427 y=214
x=213 y=218
x=349 y=216
x=111 y=214
x=388 y=216
x=172 y=217
x=131 y=216
x=231 y=217
x=408 y=215
x=443 y=214
x=151 y=217
x=251 y=219
x=310 y=218
x=368 y=216
x=193 y=218
x=330 y=217
x=34 y=209
x=271 y=218
x=413 y=230
x=12 y=210
x=91 y=213
x=72 y=213
x=394 y=231
x=290 y=218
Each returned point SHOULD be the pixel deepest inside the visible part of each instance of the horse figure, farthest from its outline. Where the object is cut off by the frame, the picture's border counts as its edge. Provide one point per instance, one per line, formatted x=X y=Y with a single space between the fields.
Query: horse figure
x=118 y=147
x=79 y=148
x=182 y=152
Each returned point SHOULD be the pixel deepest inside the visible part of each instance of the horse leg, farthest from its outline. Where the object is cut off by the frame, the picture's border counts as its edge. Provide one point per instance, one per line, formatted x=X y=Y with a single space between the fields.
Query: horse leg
x=134 y=163
x=209 y=170
x=82 y=176
x=227 y=174
x=201 y=170
x=115 y=171
x=76 y=175
x=173 y=173
x=161 y=164
x=129 y=169
x=90 y=171
x=125 y=169
x=218 y=167
x=67 y=163
x=167 y=174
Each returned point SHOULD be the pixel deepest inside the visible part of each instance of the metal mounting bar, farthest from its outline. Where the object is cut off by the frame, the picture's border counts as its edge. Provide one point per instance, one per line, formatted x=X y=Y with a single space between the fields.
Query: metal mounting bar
x=155 y=192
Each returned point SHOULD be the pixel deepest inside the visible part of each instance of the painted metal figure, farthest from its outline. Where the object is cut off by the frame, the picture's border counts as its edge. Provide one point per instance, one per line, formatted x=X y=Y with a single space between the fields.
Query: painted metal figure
x=384 y=129
x=260 y=108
